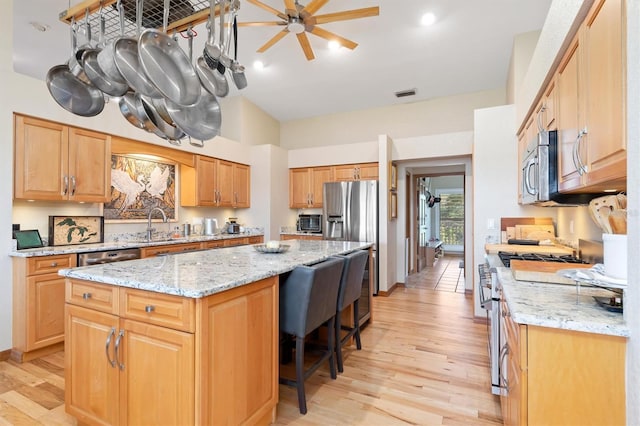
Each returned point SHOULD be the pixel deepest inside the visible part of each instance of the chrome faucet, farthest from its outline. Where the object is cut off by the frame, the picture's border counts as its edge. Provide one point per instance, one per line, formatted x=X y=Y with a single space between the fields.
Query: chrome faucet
x=149 y=228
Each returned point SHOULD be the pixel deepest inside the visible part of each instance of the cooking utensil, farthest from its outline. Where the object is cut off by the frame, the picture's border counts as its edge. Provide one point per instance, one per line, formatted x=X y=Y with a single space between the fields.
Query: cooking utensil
x=129 y=109
x=96 y=75
x=75 y=61
x=618 y=221
x=211 y=79
x=106 y=59
x=157 y=113
x=127 y=62
x=201 y=120
x=237 y=70
x=167 y=66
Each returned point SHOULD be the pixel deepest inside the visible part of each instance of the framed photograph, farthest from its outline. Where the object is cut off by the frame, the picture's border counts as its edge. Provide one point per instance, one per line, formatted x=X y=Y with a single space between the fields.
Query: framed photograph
x=393 y=205
x=69 y=230
x=393 y=177
x=137 y=186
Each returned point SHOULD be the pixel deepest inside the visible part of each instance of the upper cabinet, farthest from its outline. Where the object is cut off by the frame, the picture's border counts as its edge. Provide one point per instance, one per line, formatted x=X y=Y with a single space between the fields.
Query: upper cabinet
x=306 y=185
x=348 y=172
x=57 y=163
x=215 y=183
x=591 y=103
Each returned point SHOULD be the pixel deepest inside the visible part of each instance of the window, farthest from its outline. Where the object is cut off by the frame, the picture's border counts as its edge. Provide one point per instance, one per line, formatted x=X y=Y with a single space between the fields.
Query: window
x=450 y=218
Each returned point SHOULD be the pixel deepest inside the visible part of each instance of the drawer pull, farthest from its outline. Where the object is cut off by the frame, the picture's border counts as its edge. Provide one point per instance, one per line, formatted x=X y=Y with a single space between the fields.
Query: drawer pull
x=86 y=296
x=54 y=264
x=149 y=308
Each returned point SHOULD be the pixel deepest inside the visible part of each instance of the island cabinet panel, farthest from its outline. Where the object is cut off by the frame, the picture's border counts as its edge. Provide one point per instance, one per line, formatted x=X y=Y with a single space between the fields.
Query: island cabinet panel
x=56 y=162
x=168 y=249
x=38 y=305
x=239 y=362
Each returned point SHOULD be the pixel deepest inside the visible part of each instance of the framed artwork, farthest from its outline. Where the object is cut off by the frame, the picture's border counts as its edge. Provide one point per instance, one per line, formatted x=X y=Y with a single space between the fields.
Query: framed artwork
x=137 y=186
x=393 y=177
x=69 y=230
x=393 y=205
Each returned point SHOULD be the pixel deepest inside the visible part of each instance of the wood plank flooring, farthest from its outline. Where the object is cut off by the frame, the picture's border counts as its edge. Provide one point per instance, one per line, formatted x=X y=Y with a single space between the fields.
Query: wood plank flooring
x=424 y=361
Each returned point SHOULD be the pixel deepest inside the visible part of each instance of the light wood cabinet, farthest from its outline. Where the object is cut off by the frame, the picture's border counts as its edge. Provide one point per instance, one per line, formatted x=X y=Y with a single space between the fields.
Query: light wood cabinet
x=557 y=376
x=216 y=183
x=140 y=355
x=306 y=186
x=592 y=104
x=38 y=305
x=348 y=172
x=549 y=107
x=168 y=249
x=285 y=237
x=55 y=162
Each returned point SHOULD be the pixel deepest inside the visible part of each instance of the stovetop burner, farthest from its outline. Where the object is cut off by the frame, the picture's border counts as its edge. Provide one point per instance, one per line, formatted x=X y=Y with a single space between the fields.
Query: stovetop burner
x=506 y=258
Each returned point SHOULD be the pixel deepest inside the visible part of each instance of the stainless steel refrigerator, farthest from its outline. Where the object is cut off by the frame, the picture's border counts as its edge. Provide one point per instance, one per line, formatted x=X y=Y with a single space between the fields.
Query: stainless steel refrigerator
x=350 y=212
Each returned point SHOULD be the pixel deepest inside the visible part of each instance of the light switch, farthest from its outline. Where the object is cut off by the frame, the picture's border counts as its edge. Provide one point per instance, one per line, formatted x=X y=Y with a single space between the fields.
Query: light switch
x=491 y=223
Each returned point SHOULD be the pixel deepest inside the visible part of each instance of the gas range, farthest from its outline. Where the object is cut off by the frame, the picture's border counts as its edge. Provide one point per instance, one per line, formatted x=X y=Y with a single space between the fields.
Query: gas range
x=507 y=257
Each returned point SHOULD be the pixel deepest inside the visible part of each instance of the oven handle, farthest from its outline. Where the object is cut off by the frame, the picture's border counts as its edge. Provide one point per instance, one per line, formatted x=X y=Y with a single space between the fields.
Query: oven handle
x=527 y=177
x=504 y=383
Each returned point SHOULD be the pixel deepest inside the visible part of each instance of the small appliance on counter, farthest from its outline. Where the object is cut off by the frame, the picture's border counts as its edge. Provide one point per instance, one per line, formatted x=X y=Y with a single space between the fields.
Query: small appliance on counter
x=232 y=226
x=310 y=223
x=210 y=226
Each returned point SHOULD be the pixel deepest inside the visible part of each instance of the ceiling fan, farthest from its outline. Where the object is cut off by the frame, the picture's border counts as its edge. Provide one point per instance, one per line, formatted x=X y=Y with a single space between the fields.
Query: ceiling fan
x=299 y=20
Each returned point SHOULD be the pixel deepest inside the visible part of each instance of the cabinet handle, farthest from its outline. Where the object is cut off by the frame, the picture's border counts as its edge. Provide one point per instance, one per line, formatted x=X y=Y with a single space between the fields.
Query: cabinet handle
x=117 y=350
x=106 y=347
x=73 y=186
x=582 y=168
x=149 y=308
x=86 y=296
x=54 y=264
x=542 y=109
x=65 y=185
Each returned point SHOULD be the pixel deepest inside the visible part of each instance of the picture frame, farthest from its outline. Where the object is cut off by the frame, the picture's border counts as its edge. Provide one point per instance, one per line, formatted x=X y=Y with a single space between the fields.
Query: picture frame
x=393 y=177
x=27 y=239
x=71 y=230
x=393 y=205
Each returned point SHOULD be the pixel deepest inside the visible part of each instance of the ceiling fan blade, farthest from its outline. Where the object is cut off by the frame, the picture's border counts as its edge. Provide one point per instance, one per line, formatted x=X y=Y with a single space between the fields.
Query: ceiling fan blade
x=347 y=14
x=328 y=35
x=261 y=24
x=314 y=6
x=276 y=38
x=290 y=5
x=306 y=46
x=268 y=9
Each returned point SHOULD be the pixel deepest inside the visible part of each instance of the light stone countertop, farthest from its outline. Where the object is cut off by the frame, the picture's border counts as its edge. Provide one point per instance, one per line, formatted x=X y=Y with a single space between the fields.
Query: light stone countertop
x=124 y=244
x=202 y=273
x=558 y=305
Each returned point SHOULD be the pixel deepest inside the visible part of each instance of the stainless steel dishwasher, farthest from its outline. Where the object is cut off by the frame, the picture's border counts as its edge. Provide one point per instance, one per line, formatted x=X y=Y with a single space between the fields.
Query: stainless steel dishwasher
x=108 y=256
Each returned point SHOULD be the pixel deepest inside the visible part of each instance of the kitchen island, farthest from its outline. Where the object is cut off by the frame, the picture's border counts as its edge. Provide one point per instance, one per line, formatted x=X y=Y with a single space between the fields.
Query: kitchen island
x=189 y=338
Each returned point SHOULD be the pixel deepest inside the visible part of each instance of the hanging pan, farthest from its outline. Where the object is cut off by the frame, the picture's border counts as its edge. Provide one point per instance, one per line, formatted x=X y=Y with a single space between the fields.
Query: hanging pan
x=167 y=65
x=126 y=60
x=211 y=78
x=106 y=59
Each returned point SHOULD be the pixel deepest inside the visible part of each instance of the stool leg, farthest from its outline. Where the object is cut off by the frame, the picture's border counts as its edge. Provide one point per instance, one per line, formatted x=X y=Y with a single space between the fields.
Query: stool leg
x=302 y=400
x=332 y=351
x=338 y=339
x=356 y=321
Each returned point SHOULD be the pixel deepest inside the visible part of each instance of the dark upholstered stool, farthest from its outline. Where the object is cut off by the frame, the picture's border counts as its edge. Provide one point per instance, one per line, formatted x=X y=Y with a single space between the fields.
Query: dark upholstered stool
x=349 y=292
x=308 y=299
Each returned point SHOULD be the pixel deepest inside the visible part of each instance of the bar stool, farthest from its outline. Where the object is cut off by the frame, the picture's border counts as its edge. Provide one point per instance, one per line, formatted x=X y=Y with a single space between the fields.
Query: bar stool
x=308 y=299
x=349 y=292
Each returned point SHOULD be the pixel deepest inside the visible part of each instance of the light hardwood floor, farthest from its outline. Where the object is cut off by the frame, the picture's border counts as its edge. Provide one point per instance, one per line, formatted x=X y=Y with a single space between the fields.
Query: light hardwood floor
x=424 y=361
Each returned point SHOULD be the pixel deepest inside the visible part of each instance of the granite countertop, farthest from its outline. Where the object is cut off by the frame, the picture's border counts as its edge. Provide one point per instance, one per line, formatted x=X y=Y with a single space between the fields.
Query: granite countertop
x=558 y=305
x=124 y=244
x=202 y=273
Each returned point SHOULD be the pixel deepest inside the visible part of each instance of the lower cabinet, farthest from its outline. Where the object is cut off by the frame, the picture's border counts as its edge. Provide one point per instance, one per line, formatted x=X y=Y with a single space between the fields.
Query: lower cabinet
x=131 y=358
x=168 y=249
x=300 y=237
x=561 y=377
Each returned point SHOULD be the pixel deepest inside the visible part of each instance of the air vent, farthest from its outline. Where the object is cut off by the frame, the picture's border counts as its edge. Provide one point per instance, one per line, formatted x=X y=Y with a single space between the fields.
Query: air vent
x=405 y=93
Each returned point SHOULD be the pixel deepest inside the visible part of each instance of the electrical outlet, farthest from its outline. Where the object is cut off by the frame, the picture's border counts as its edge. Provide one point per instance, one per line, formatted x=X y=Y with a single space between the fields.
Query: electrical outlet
x=491 y=224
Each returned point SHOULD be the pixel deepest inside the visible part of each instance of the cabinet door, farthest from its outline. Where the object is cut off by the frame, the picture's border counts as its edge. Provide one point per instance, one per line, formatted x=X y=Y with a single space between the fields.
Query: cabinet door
x=41 y=159
x=45 y=310
x=157 y=370
x=91 y=381
x=89 y=166
x=568 y=119
x=550 y=107
x=344 y=172
x=319 y=175
x=605 y=106
x=224 y=183
x=241 y=185
x=368 y=171
x=206 y=169
x=299 y=184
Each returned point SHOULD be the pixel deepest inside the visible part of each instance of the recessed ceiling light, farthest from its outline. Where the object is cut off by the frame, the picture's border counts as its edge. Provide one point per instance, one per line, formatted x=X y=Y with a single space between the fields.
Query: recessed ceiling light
x=428 y=19
x=334 y=45
x=258 y=65
x=39 y=26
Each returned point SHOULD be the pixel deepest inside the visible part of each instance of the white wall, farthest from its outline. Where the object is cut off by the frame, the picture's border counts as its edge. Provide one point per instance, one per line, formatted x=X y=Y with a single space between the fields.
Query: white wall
x=523 y=47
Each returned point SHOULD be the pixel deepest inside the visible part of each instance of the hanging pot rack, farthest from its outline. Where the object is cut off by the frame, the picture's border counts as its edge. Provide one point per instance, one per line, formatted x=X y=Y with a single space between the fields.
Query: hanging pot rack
x=182 y=15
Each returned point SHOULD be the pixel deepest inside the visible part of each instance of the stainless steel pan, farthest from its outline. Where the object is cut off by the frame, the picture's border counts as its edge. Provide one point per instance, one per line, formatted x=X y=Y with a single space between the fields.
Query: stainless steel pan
x=211 y=78
x=167 y=66
x=106 y=59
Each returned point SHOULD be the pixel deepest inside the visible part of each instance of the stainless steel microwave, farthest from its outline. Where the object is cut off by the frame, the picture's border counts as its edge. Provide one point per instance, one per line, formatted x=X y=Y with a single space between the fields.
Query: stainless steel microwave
x=310 y=223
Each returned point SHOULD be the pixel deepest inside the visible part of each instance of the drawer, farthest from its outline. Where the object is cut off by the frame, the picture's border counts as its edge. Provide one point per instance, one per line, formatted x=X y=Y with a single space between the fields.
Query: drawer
x=256 y=240
x=213 y=244
x=173 y=248
x=236 y=242
x=48 y=264
x=160 y=309
x=101 y=297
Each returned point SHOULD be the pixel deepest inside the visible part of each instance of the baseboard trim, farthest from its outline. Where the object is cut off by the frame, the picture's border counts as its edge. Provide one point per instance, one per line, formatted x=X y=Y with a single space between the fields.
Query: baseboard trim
x=5 y=355
x=391 y=290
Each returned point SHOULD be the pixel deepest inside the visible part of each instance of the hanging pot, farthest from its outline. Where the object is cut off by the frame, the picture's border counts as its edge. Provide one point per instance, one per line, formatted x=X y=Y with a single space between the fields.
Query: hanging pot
x=211 y=78
x=106 y=59
x=126 y=60
x=167 y=66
